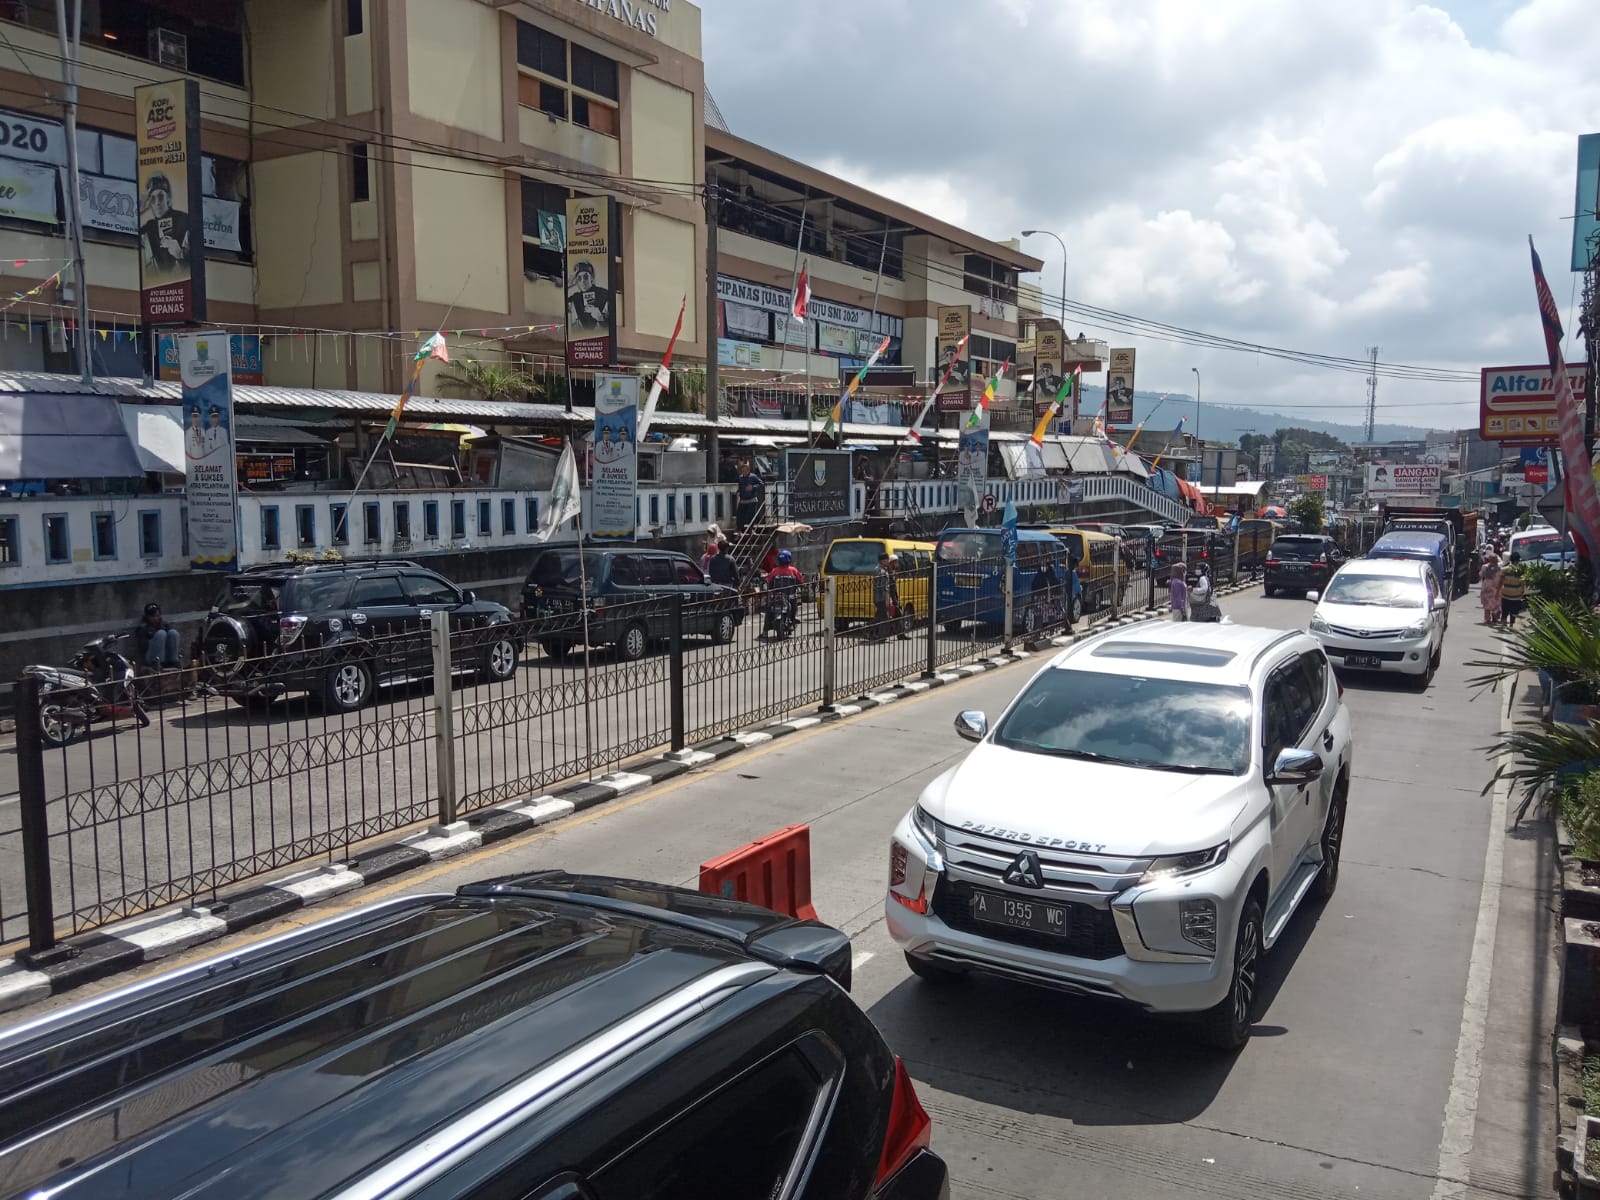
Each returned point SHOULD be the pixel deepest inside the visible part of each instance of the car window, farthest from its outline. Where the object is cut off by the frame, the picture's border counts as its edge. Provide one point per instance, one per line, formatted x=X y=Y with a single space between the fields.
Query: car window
x=967 y=546
x=853 y=558
x=625 y=571
x=687 y=572
x=1277 y=719
x=429 y=589
x=657 y=571
x=1314 y=669
x=309 y=593
x=1297 y=704
x=924 y=559
x=740 y=1141
x=1303 y=549
x=1375 y=591
x=245 y=596
x=376 y=591
x=555 y=568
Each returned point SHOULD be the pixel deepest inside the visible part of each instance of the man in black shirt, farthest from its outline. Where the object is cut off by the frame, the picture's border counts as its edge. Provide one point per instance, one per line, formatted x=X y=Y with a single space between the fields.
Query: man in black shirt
x=588 y=306
x=752 y=497
x=164 y=237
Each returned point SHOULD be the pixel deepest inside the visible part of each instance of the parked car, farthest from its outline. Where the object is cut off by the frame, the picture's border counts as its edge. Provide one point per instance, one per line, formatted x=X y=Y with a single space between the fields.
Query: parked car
x=623 y=599
x=852 y=562
x=1094 y=557
x=541 y=1037
x=1383 y=614
x=1300 y=562
x=1227 y=751
x=341 y=629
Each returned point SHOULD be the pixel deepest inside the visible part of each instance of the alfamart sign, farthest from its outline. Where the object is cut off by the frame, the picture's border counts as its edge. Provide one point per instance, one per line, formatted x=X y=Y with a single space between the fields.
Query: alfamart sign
x=640 y=14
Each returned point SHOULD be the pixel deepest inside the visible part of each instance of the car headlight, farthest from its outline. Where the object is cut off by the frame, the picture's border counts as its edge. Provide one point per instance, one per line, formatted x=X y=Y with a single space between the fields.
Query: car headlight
x=926 y=826
x=1318 y=624
x=1172 y=866
x=1419 y=628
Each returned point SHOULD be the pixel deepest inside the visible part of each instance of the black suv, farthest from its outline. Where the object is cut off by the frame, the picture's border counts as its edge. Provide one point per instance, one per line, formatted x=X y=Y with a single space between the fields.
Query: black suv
x=339 y=629
x=533 y=1038
x=1301 y=562
x=630 y=597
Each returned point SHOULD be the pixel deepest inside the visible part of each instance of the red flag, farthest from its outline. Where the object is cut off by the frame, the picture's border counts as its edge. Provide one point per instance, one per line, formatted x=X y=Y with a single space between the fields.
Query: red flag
x=1583 y=501
x=800 y=303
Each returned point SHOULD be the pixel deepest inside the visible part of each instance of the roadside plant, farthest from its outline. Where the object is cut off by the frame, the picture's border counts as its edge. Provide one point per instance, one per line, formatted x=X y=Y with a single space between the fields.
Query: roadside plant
x=1307 y=509
x=492 y=380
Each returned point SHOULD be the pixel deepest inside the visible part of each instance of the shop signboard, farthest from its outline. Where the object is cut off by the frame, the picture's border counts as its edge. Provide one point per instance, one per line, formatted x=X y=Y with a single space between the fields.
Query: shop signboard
x=172 y=258
x=244 y=351
x=746 y=355
x=819 y=485
x=745 y=320
x=210 y=474
x=27 y=191
x=1316 y=483
x=1402 y=479
x=591 y=311
x=831 y=339
x=1586 y=208
x=1119 y=387
x=614 y=469
x=1517 y=405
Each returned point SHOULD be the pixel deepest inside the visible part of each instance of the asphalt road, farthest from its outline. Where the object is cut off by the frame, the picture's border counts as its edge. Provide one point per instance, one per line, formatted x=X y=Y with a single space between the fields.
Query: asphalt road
x=1401 y=1048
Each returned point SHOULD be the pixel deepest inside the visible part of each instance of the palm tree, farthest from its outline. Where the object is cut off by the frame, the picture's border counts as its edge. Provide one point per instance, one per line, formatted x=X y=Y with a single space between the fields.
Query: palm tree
x=492 y=380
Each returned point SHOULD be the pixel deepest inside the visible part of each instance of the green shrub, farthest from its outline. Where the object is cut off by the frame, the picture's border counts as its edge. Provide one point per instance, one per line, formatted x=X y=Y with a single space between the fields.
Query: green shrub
x=1579 y=806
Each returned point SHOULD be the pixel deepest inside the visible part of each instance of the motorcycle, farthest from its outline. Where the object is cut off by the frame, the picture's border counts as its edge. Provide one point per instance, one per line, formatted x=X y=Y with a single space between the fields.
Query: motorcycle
x=779 y=615
x=98 y=686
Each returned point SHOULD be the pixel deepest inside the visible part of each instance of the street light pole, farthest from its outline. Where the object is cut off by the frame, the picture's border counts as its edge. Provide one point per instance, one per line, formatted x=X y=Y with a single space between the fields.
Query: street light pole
x=1198 y=444
x=1063 y=245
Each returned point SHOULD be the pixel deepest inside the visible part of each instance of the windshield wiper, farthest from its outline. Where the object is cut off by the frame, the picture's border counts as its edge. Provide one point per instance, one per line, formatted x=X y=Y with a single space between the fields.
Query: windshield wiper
x=1184 y=768
x=1087 y=755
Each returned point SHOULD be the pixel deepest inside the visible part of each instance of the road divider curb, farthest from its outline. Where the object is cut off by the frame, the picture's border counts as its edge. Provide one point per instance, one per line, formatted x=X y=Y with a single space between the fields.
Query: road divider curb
x=27 y=979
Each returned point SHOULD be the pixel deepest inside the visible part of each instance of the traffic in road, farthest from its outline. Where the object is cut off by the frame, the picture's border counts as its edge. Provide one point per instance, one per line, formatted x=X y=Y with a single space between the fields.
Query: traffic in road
x=1396 y=1043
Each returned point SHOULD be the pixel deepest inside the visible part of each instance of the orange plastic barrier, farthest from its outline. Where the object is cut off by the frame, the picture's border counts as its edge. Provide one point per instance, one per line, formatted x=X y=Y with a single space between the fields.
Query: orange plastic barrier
x=774 y=872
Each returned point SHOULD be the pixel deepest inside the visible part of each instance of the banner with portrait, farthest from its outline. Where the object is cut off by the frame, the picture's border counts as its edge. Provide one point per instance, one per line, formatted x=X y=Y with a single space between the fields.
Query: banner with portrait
x=210 y=477
x=172 y=255
x=591 y=300
x=1047 y=374
x=1119 y=388
x=972 y=467
x=955 y=323
x=614 y=472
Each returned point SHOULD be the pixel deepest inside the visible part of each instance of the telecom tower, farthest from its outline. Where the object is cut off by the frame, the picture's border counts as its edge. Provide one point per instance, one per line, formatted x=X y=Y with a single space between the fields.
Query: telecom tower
x=1372 y=393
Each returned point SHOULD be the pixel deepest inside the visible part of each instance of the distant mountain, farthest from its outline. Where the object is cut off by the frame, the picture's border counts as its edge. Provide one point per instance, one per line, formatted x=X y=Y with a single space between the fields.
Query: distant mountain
x=1224 y=423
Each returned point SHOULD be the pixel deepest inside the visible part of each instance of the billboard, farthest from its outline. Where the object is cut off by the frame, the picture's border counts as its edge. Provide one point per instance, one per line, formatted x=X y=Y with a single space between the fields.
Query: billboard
x=1402 y=479
x=210 y=477
x=1517 y=405
x=955 y=323
x=243 y=348
x=172 y=255
x=1047 y=369
x=591 y=308
x=819 y=485
x=1316 y=483
x=614 y=469
x=1119 y=387
x=1586 y=207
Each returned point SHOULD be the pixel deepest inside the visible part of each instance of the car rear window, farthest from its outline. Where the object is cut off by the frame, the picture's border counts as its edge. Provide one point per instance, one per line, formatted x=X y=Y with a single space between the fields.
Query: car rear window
x=853 y=558
x=556 y=568
x=967 y=546
x=1299 y=548
x=244 y=596
x=1534 y=547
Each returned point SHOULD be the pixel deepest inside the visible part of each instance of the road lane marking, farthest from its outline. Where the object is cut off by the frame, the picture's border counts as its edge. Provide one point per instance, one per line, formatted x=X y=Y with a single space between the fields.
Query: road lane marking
x=860 y=959
x=1461 y=1105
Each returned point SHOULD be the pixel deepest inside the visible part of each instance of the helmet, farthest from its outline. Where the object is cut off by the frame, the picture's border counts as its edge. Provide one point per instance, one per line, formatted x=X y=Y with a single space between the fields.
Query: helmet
x=784 y=558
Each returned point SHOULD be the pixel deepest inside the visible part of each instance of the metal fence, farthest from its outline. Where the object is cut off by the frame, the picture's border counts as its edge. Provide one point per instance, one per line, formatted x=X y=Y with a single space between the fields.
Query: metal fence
x=301 y=756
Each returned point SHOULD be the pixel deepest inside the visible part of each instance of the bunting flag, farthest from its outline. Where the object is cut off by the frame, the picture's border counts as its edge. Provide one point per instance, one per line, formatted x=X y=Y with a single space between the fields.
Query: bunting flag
x=663 y=376
x=1583 y=502
x=800 y=302
x=1178 y=432
x=987 y=399
x=1069 y=388
x=434 y=347
x=836 y=415
x=934 y=395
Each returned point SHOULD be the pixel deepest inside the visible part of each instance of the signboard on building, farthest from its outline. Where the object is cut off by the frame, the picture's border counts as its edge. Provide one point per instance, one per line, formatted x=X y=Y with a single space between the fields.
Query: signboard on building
x=955 y=323
x=244 y=351
x=1517 y=405
x=739 y=354
x=614 y=472
x=1586 y=208
x=172 y=257
x=1401 y=479
x=972 y=467
x=27 y=191
x=1316 y=483
x=819 y=485
x=765 y=298
x=797 y=335
x=1119 y=387
x=210 y=476
x=831 y=339
x=745 y=320
x=591 y=308
x=1047 y=372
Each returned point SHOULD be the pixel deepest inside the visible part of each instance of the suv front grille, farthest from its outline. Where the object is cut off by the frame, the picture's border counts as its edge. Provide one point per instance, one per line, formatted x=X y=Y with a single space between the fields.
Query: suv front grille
x=1093 y=933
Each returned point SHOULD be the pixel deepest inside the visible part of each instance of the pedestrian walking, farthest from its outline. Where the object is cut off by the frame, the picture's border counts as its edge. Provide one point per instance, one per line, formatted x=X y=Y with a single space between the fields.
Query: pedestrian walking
x=1513 y=590
x=1202 y=597
x=722 y=568
x=885 y=599
x=1489 y=590
x=752 y=497
x=1178 y=592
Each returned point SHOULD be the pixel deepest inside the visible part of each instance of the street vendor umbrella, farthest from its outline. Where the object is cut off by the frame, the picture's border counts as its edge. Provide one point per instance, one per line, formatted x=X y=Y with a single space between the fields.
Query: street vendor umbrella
x=1273 y=510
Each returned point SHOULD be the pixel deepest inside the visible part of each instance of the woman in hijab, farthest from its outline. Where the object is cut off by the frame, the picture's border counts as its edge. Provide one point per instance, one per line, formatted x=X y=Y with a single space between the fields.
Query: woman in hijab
x=1489 y=589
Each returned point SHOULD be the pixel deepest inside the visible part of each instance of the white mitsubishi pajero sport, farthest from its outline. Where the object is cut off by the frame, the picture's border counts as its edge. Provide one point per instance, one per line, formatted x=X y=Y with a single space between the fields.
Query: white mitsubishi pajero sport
x=1140 y=823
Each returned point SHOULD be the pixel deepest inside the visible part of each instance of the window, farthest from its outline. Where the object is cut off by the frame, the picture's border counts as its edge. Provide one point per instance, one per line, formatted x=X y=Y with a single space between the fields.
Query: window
x=541 y=51
x=985 y=277
x=539 y=261
x=103 y=526
x=658 y=571
x=149 y=533
x=672 y=508
x=655 y=509
x=360 y=172
x=305 y=525
x=548 y=98
x=271 y=533
x=531 y=514
x=592 y=114
x=688 y=572
x=719 y=506
x=10 y=542
x=625 y=571
x=485 y=518
x=402 y=521
x=57 y=538
x=378 y=591
x=508 y=517
x=430 y=520
x=705 y=507
x=458 y=520
x=371 y=523
x=339 y=515
x=741 y=1140
x=594 y=72
x=354 y=18
x=429 y=589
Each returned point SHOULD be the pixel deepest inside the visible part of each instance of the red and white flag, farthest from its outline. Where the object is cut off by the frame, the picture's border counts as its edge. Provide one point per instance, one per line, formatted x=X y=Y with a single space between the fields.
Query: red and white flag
x=1583 y=500
x=663 y=376
x=800 y=303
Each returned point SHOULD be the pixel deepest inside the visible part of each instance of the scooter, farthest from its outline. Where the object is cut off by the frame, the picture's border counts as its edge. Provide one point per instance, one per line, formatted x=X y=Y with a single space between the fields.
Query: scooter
x=98 y=686
x=779 y=613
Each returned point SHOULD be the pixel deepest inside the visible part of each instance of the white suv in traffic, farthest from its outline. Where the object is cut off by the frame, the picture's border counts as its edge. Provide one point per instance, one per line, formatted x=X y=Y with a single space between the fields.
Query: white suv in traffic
x=1140 y=823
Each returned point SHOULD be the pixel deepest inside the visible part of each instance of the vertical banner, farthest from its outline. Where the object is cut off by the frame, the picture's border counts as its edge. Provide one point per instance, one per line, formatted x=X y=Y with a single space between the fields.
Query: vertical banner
x=614 y=479
x=972 y=466
x=1119 y=388
x=951 y=361
x=1047 y=369
x=172 y=251
x=210 y=479
x=591 y=311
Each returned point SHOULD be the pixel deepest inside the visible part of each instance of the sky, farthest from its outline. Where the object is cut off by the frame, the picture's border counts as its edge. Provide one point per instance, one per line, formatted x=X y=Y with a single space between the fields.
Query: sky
x=1320 y=175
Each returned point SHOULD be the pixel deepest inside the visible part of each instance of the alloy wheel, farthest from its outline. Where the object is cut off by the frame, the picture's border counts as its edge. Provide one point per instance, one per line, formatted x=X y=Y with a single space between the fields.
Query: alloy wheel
x=633 y=642
x=502 y=658
x=54 y=724
x=350 y=685
x=1244 y=972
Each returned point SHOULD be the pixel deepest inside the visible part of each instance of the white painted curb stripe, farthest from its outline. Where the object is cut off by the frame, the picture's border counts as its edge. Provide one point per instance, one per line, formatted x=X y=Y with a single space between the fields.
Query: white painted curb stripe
x=751 y=738
x=322 y=883
x=625 y=781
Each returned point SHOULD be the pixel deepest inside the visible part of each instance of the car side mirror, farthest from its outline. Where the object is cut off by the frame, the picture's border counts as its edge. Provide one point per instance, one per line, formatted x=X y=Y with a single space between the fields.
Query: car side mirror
x=1296 y=767
x=1440 y=604
x=469 y=597
x=972 y=725
x=1313 y=596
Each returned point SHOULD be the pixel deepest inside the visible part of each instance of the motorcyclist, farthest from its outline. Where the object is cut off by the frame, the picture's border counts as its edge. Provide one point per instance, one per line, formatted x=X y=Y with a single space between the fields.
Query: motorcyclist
x=784 y=580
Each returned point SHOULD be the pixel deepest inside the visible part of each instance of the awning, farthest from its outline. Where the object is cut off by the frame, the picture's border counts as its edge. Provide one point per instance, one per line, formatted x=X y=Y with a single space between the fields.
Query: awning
x=273 y=430
x=65 y=437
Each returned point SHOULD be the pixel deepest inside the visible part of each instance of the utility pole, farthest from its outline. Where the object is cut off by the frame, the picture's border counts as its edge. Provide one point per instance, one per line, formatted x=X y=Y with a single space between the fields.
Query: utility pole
x=70 y=35
x=1372 y=393
x=713 y=374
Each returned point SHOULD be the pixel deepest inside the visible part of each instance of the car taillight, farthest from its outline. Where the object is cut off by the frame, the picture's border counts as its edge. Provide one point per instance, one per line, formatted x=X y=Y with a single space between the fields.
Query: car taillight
x=289 y=629
x=1205 y=554
x=1271 y=562
x=909 y=1129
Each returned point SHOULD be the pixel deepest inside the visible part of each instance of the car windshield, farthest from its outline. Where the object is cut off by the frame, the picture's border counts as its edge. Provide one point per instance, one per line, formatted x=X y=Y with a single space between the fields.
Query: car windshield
x=1379 y=591
x=244 y=596
x=854 y=558
x=1162 y=724
x=1308 y=549
x=1535 y=547
x=967 y=546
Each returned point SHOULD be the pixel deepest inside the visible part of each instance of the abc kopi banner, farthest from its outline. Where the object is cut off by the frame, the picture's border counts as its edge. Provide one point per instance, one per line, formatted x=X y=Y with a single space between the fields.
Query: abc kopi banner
x=172 y=247
x=591 y=301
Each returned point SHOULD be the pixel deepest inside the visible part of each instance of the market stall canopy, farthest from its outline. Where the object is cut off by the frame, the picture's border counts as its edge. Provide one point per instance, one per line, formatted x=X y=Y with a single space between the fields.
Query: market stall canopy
x=46 y=436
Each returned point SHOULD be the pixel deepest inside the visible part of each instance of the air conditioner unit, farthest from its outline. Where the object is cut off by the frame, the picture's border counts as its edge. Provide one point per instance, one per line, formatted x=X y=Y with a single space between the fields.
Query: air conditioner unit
x=169 y=49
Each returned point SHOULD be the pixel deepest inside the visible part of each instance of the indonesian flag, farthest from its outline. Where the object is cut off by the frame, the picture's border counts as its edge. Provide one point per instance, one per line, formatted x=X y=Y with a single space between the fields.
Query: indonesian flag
x=800 y=303
x=663 y=376
x=1582 y=499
